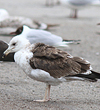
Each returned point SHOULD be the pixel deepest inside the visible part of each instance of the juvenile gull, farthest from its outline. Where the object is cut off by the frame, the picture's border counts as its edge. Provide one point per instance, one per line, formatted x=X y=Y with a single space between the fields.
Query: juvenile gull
x=42 y=36
x=49 y=65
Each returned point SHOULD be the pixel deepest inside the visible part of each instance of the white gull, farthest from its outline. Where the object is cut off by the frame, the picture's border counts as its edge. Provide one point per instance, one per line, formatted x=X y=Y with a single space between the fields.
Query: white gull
x=76 y=5
x=42 y=36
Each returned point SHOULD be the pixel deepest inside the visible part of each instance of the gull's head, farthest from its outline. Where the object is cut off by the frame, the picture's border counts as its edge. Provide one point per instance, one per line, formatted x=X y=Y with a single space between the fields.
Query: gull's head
x=17 y=43
x=20 y=30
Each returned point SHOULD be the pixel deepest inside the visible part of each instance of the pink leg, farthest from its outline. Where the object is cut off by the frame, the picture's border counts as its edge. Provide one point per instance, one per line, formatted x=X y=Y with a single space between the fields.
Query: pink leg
x=74 y=14
x=45 y=99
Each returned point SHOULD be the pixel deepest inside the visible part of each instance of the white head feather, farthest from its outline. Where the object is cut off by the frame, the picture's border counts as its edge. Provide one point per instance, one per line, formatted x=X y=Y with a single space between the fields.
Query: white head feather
x=16 y=44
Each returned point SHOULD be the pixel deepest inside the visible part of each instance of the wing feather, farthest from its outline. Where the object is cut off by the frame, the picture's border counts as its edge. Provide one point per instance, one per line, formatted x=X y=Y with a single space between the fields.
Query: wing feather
x=56 y=62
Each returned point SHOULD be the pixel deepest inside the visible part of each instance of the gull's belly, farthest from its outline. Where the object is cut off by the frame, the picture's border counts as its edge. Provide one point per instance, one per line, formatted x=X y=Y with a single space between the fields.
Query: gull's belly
x=23 y=59
x=43 y=76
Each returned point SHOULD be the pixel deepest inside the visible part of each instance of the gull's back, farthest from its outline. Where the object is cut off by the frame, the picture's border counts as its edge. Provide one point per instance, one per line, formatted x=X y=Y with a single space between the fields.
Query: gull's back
x=36 y=35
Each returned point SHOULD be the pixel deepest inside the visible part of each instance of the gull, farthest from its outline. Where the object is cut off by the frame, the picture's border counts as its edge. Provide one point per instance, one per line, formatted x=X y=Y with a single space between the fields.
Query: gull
x=3 y=47
x=16 y=21
x=75 y=5
x=48 y=64
x=13 y=21
x=42 y=36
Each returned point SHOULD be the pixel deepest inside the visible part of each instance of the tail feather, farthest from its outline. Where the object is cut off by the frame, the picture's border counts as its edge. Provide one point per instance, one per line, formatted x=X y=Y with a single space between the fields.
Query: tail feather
x=96 y=74
x=72 y=41
x=91 y=77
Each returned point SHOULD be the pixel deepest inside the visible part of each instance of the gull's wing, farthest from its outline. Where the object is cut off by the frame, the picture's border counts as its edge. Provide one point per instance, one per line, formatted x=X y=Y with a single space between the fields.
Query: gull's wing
x=36 y=36
x=56 y=62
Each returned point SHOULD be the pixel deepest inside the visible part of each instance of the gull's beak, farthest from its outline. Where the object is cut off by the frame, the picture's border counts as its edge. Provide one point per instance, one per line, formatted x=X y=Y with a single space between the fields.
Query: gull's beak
x=6 y=52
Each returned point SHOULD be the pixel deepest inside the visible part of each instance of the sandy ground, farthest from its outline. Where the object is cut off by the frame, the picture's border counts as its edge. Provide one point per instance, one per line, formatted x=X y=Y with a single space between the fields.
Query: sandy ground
x=17 y=91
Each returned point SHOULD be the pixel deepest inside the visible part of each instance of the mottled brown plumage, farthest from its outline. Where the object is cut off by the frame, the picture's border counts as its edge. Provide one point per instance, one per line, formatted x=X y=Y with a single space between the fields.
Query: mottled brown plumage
x=56 y=62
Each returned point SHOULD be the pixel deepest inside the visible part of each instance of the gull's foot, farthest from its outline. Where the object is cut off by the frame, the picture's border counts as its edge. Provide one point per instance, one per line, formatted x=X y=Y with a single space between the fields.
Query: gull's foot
x=41 y=100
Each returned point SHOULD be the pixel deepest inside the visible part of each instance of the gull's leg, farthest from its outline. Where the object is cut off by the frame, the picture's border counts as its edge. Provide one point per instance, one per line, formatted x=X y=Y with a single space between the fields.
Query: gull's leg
x=49 y=86
x=74 y=14
x=47 y=3
x=52 y=2
x=45 y=97
x=58 y=2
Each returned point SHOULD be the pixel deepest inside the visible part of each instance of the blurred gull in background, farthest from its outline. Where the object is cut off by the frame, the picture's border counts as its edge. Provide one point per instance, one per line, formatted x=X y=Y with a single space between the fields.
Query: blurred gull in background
x=42 y=36
x=3 y=47
x=51 y=2
x=10 y=23
x=75 y=5
x=3 y=14
x=13 y=21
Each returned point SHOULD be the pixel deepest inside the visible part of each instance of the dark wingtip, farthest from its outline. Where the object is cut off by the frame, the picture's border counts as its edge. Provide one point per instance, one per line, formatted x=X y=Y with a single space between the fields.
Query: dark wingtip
x=96 y=74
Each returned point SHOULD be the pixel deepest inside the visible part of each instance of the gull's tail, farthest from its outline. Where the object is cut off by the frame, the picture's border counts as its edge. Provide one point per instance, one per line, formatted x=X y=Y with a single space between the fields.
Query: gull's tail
x=71 y=42
x=93 y=76
x=66 y=43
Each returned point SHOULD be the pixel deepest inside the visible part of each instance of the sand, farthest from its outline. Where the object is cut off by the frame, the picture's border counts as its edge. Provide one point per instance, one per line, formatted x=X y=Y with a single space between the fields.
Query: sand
x=17 y=91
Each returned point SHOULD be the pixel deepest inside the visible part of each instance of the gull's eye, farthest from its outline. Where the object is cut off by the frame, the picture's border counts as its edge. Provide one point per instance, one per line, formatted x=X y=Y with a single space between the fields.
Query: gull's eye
x=14 y=44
